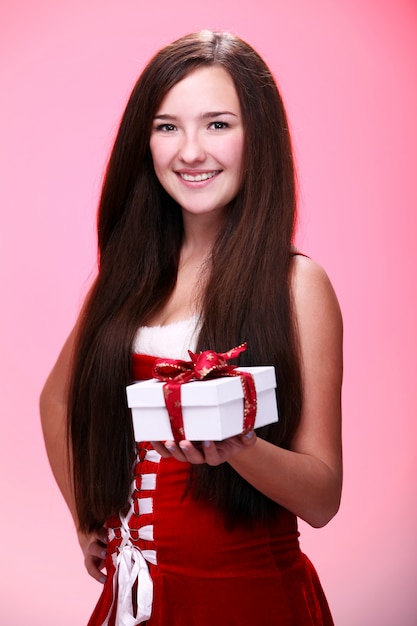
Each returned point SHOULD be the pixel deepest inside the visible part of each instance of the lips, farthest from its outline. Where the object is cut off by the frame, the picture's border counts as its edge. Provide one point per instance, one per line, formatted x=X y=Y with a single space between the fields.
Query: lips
x=197 y=178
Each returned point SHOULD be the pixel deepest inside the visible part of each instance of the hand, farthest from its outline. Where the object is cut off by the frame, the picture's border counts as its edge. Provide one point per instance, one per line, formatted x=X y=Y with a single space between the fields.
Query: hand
x=210 y=452
x=94 y=547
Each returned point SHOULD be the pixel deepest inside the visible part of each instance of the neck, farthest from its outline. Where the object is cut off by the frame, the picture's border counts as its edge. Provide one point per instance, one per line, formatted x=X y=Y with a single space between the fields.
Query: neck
x=198 y=241
x=200 y=233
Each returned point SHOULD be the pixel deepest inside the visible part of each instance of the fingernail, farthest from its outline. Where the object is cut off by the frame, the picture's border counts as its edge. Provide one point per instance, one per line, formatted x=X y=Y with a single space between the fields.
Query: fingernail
x=248 y=435
x=104 y=554
x=206 y=444
x=102 y=579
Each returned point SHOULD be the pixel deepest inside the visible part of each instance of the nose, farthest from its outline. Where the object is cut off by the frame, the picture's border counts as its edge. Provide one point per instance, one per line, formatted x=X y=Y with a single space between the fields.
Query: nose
x=191 y=149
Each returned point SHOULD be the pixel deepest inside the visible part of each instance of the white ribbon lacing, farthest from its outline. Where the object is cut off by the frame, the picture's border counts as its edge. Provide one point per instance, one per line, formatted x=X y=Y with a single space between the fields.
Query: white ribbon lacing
x=130 y=566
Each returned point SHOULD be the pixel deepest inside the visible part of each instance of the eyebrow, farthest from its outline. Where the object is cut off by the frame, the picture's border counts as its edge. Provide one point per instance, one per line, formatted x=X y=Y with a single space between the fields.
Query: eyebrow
x=204 y=116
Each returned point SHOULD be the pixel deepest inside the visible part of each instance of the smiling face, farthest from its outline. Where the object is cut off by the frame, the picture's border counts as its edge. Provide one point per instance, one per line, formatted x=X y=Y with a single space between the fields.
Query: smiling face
x=197 y=142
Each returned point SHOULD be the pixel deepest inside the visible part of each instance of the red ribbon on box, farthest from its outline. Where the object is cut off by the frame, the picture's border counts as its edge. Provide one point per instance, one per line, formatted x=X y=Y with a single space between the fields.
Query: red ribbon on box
x=204 y=365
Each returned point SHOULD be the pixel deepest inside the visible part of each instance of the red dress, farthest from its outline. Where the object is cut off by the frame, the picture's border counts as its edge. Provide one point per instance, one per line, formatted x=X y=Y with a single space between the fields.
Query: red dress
x=194 y=572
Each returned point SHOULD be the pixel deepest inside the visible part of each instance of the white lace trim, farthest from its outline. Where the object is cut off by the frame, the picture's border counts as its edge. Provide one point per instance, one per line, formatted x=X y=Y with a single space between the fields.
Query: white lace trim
x=171 y=340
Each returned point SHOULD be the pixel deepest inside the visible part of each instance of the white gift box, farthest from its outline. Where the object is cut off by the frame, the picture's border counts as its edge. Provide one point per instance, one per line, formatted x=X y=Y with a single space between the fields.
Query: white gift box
x=212 y=409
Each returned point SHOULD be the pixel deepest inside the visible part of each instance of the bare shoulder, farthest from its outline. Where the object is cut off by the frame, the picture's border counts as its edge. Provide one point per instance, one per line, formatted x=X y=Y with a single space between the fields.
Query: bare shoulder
x=312 y=291
x=318 y=320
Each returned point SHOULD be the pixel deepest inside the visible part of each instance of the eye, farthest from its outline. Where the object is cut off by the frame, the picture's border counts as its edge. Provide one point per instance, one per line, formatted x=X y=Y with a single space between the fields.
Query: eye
x=166 y=128
x=219 y=125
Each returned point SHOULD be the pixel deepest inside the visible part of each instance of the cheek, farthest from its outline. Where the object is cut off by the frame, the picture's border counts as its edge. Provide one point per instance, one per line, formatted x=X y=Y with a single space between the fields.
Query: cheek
x=236 y=160
x=159 y=154
x=236 y=151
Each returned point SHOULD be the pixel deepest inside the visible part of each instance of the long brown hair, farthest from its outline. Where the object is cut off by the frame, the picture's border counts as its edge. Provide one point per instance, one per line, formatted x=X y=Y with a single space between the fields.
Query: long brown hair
x=247 y=296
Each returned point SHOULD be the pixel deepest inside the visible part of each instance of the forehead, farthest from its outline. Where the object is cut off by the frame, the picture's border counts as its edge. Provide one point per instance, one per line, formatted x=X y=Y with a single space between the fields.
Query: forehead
x=204 y=89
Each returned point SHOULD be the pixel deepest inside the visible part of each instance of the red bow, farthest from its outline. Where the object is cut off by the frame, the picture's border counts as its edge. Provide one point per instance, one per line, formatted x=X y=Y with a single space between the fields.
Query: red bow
x=207 y=364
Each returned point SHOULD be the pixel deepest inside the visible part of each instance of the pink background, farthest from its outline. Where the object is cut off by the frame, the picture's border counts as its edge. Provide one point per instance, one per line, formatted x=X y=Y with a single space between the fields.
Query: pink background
x=348 y=71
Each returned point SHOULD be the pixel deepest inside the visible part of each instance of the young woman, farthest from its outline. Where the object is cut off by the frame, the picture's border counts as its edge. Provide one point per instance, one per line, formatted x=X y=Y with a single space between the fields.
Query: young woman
x=195 y=231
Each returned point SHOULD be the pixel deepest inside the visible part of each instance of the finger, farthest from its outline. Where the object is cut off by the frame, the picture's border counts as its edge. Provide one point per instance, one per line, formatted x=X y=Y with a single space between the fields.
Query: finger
x=212 y=454
x=191 y=453
x=94 y=567
x=102 y=536
x=97 y=550
x=160 y=447
x=249 y=439
x=175 y=450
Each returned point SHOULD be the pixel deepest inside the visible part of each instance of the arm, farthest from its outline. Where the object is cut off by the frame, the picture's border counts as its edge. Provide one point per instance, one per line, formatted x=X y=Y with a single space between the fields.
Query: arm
x=307 y=478
x=53 y=411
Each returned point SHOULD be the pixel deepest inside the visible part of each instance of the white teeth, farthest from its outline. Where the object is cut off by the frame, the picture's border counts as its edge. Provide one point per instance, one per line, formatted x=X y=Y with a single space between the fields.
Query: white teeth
x=198 y=177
